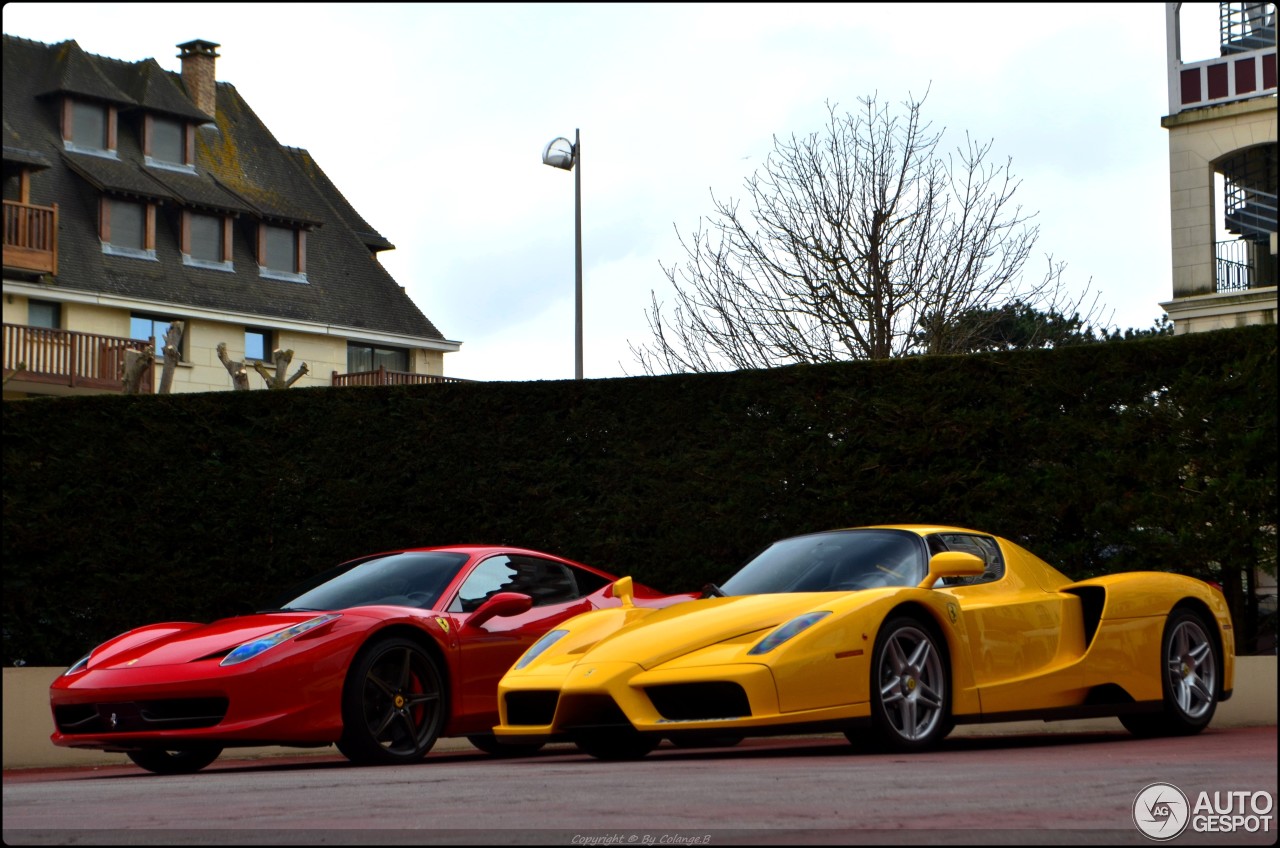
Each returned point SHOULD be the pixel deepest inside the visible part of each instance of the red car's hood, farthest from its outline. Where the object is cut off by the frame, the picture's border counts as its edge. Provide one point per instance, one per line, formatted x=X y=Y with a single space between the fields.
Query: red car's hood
x=174 y=643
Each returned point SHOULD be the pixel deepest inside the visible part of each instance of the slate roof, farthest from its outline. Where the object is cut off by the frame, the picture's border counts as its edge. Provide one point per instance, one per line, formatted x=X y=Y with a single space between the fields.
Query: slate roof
x=240 y=169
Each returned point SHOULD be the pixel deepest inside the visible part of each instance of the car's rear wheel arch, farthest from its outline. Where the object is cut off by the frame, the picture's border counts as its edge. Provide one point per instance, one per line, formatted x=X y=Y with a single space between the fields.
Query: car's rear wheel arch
x=1200 y=610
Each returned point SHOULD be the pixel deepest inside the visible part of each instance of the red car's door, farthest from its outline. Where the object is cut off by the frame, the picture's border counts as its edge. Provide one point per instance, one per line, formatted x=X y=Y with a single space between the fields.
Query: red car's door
x=489 y=650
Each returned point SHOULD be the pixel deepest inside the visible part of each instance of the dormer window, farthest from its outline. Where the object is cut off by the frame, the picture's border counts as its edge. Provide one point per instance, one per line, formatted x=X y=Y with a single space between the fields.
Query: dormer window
x=89 y=127
x=167 y=143
x=128 y=228
x=206 y=240
x=282 y=253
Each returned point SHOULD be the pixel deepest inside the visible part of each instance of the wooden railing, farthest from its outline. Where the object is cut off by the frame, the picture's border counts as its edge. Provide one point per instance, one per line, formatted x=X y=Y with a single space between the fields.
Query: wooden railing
x=31 y=237
x=383 y=377
x=66 y=358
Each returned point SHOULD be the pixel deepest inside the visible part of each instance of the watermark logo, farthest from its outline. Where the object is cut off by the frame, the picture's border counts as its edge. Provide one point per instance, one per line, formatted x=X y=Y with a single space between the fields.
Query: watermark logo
x=1161 y=812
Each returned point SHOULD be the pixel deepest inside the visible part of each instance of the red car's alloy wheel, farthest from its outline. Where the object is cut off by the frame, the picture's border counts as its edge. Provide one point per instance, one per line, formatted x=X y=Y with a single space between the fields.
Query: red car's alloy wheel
x=393 y=705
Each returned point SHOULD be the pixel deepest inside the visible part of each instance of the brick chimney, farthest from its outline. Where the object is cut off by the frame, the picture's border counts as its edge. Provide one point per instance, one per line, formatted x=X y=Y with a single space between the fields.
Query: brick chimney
x=197 y=73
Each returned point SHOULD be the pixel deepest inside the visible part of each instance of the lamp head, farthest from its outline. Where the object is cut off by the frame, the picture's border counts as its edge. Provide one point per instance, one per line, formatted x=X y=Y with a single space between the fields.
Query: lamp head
x=559 y=153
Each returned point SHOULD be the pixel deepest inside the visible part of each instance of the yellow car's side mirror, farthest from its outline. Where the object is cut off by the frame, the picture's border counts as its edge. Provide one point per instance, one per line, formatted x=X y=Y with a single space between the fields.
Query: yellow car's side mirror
x=952 y=564
x=623 y=590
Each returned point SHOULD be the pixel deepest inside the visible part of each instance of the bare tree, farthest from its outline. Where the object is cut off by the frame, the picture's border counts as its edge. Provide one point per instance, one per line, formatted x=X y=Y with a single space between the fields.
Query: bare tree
x=282 y=358
x=137 y=363
x=861 y=242
x=239 y=374
x=172 y=355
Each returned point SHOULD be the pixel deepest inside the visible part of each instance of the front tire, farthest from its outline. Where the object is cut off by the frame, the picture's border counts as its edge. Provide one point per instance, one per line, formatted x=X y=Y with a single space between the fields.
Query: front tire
x=1189 y=674
x=187 y=761
x=394 y=704
x=910 y=688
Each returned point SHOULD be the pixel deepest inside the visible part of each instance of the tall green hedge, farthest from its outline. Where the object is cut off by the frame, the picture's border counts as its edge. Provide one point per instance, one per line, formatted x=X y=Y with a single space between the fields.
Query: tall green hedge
x=1149 y=454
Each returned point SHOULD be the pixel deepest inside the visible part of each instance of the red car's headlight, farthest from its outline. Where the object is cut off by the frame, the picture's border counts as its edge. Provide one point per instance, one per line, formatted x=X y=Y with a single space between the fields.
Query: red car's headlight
x=249 y=650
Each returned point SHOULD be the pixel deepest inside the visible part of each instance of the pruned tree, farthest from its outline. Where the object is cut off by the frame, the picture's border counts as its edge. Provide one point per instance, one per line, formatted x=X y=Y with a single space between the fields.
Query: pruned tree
x=239 y=374
x=136 y=365
x=282 y=358
x=861 y=242
x=172 y=355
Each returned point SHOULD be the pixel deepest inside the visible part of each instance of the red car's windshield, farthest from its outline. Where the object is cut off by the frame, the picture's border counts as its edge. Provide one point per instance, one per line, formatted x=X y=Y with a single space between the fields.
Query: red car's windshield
x=410 y=579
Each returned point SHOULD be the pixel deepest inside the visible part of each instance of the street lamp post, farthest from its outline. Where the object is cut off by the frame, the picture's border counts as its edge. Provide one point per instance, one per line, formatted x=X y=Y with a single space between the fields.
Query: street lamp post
x=559 y=153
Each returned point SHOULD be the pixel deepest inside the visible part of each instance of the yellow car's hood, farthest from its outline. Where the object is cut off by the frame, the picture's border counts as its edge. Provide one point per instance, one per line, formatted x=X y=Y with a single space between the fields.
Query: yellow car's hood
x=683 y=628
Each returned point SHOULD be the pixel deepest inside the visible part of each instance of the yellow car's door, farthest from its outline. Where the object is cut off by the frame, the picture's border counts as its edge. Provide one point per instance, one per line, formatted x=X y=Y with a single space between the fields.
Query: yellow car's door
x=1014 y=627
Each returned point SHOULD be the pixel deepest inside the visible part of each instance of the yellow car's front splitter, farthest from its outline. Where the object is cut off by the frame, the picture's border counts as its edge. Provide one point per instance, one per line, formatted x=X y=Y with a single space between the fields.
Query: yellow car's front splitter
x=739 y=697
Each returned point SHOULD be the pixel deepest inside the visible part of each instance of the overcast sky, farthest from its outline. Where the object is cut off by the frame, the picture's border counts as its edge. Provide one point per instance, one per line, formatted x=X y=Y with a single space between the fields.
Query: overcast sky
x=431 y=119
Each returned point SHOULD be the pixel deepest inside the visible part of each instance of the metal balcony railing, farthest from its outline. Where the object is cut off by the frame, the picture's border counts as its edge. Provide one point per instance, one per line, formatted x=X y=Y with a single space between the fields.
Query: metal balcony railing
x=66 y=358
x=383 y=377
x=31 y=237
x=1244 y=264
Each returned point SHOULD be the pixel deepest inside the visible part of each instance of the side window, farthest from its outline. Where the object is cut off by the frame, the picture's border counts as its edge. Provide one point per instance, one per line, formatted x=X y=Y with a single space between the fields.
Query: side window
x=44 y=313
x=545 y=581
x=983 y=547
x=154 y=328
x=257 y=343
x=489 y=577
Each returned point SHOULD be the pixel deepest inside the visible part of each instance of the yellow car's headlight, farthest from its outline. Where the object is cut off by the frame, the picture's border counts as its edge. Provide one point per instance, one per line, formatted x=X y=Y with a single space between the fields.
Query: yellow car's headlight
x=786 y=631
x=539 y=646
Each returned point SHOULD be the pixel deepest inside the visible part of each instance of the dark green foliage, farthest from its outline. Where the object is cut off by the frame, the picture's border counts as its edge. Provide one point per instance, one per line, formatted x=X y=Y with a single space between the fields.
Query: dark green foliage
x=1020 y=326
x=1156 y=453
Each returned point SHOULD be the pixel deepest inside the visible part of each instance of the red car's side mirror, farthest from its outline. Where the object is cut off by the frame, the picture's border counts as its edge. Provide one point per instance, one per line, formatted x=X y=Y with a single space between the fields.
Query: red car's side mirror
x=501 y=604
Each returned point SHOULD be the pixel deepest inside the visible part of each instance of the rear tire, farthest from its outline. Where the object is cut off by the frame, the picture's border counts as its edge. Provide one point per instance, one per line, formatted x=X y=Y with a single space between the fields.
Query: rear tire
x=394 y=704
x=1189 y=680
x=187 y=761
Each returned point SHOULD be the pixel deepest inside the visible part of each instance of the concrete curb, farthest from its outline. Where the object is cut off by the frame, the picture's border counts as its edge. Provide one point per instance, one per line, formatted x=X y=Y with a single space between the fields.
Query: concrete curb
x=28 y=723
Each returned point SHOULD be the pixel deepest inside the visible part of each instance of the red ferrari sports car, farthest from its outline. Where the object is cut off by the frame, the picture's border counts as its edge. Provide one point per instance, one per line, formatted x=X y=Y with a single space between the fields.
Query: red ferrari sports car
x=381 y=655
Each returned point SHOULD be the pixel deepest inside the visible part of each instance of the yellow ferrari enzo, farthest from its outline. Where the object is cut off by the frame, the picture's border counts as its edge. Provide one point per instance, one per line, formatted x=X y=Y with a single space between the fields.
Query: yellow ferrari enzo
x=892 y=634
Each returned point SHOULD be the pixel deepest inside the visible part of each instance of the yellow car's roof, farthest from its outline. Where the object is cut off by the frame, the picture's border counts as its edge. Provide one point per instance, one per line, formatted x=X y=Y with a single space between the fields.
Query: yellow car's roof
x=920 y=529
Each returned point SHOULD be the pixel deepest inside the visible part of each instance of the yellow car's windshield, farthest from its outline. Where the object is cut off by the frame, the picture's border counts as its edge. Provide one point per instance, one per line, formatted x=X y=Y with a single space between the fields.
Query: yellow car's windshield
x=840 y=560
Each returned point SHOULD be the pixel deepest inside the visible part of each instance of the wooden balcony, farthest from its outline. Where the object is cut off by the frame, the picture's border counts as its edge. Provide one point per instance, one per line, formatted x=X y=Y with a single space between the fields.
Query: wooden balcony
x=383 y=377
x=63 y=361
x=31 y=237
